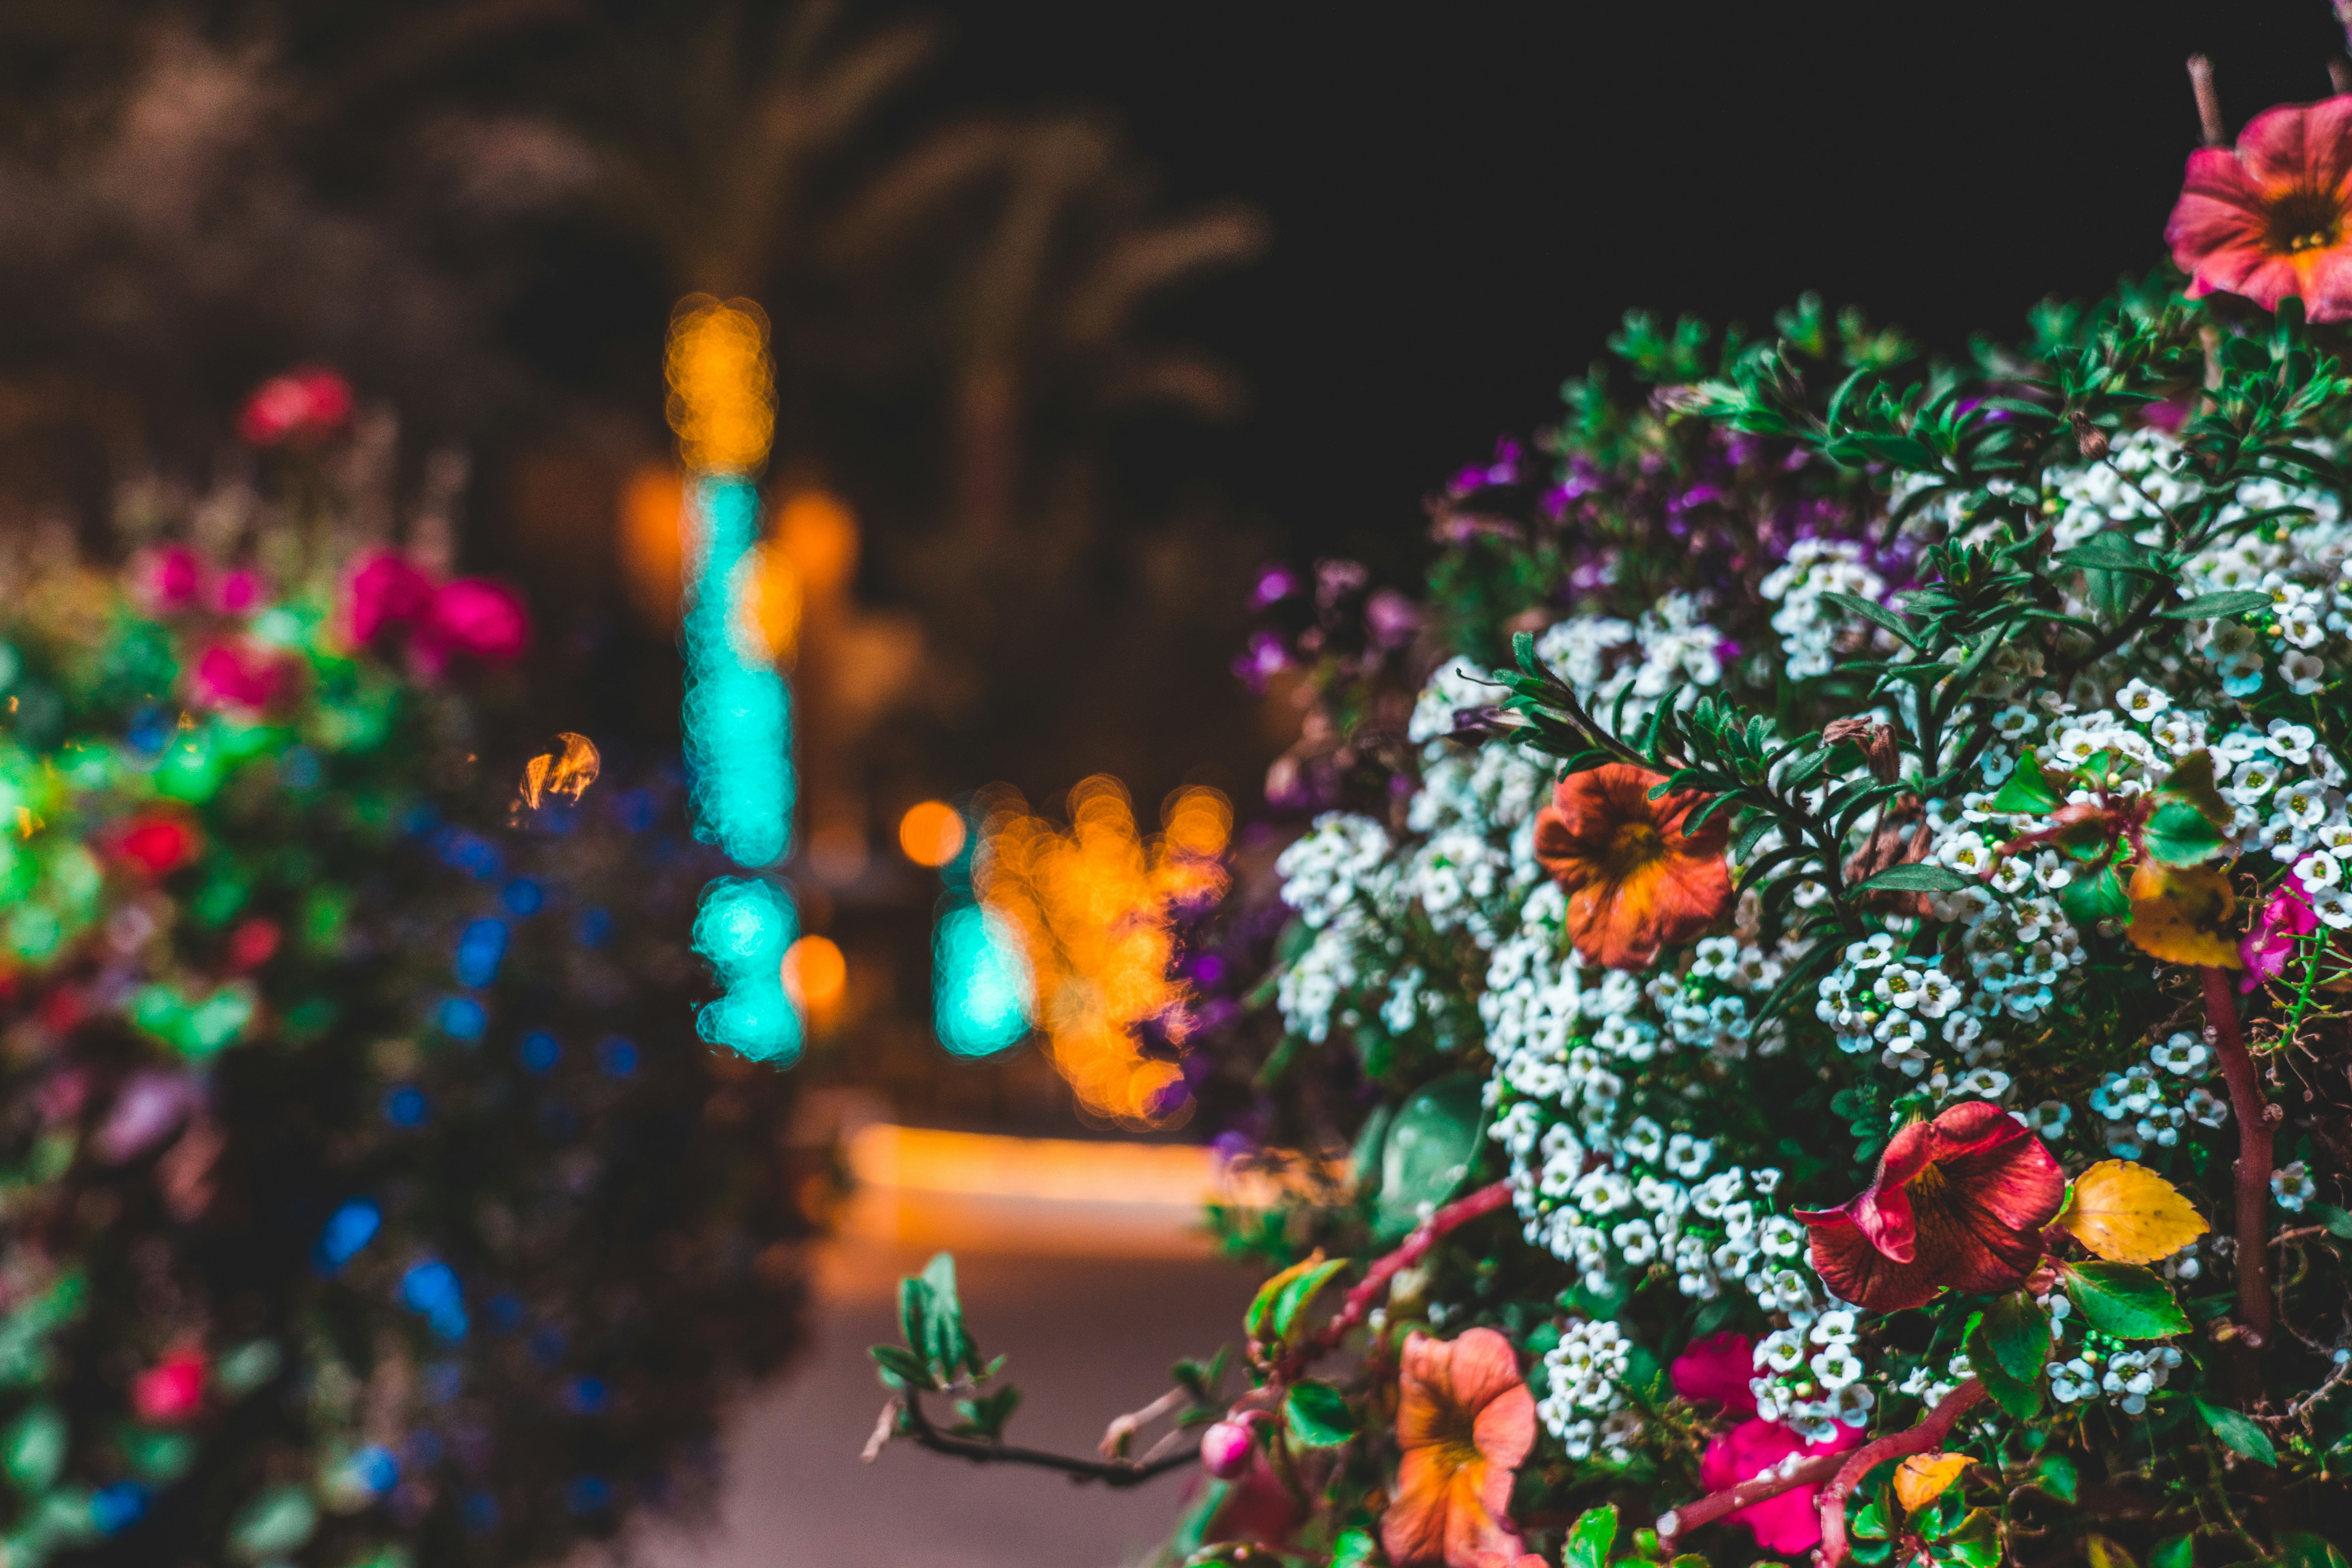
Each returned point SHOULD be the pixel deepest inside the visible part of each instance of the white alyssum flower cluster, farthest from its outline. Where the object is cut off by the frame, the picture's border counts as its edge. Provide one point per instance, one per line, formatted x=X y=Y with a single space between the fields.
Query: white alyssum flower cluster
x=1585 y=1406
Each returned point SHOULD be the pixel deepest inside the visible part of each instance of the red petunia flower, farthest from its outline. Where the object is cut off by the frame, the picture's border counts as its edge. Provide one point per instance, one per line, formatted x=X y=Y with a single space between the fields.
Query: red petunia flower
x=1958 y=1202
x=302 y=405
x=2267 y=218
x=1636 y=880
x=157 y=844
x=1465 y=1420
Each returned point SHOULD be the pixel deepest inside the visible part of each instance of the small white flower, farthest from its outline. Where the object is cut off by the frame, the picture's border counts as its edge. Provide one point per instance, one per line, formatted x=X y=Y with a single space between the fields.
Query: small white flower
x=2333 y=906
x=2140 y=700
x=2205 y=1108
x=2049 y=1119
x=2292 y=741
x=2256 y=778
x=1872 y=951
x=2181 y=1054
x=2292 y=1187
x=2318 y=869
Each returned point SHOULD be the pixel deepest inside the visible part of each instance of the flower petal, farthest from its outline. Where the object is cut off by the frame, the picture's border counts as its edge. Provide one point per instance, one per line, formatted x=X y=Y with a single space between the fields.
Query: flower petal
x=1414 y=1528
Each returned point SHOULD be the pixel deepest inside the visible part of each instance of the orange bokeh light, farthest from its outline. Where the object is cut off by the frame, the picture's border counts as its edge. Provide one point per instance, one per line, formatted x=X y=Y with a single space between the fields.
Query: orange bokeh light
x=815 y=974
x=931 y=833
x=1092 y=903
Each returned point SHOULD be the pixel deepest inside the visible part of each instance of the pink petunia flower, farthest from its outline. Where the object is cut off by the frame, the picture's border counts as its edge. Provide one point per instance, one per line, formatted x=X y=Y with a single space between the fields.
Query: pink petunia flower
x=167 y=578
x=2267 y=218
x=239 y=678
x=173 y=1389
x=385 y=591
x=1718 y=1367
x=1786 y=1523
x=2266 y=949
x=475 y=617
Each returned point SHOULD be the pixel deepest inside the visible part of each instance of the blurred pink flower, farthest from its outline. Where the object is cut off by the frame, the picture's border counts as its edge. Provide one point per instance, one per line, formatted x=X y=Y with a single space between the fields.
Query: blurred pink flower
x=476 y=617
x=306 y=405
x=2267 y=947
x=173 y=1389
x=148 y=1106
x=1784 y=1524
x=386 y=589
x=1719 y=1368
x=238 y=593
x=168 y=578
x=239 y=678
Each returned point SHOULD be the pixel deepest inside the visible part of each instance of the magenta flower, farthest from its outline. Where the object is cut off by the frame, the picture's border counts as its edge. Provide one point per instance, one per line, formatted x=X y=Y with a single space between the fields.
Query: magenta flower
x=1719 y=1368
x=2267 y=947
x=239 y=593
x=167 y=578
x=1787 y=1524
x=302 y=405
x=2267 y=218
x=386 y=589
x=239 y=678
x=475 y=617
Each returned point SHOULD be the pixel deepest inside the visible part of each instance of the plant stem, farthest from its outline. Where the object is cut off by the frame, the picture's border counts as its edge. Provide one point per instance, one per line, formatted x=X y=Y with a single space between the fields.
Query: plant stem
x=1919 y=1439
x=2303 y=997
x=1747 y=1494
x=2254 y=1168
x=1111 y=1472
x=1359 y=1302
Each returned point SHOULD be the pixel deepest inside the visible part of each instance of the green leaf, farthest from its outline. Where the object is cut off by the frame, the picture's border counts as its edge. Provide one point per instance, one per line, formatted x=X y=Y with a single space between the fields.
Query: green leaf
x=2125 y=1299
x=2057 y=1475
x=1976 y=1543
x=2301 y=1549
x=1364 y=1159
x=986 y=1416
x=1921 y=878
x=2172 y=1552
x=2018 y=1334
x=2113 y=550
x=1319 y=1414
x=1355 y=1549
x=2095 y=896
x=1875 y=614
x=2217 y=607
x=1428 y=1152
x=2177 y=834
x=2239 y=1433
x=2334 y=1220
x=2027 y=792
x=33 y=1450
x=1295 y=1294
x=1590 y=1538
x=2020 y=1396
x=902 y=1365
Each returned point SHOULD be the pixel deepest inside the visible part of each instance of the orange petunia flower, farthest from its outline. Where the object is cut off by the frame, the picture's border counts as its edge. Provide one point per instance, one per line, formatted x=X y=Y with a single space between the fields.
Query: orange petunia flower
x=2268 y=218
x=1635 y=880
x=1465 y=1420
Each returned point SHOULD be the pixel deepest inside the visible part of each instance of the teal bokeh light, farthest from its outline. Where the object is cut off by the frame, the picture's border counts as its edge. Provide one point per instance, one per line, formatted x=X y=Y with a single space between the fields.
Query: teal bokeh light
x=738 y=713
x=981 y=993
x=743 y=929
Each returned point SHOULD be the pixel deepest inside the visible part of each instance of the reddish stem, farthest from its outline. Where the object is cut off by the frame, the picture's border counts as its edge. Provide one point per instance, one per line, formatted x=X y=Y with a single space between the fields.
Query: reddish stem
x=2252 y=1109
x=1747 y=1494
x=1359 y=1302
x=1919 y=1439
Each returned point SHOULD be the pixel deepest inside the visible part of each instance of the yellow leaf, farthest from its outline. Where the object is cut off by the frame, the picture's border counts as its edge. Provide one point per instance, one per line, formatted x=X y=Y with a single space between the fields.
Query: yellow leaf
x=2181 y=914
x=1924 y=1477
x=2128 y=1213
x=2105 y=1553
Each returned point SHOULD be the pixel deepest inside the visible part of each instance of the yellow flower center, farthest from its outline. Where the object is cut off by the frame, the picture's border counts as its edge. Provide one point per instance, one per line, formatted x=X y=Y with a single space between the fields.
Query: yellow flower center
x=1632 y=846
x=2305 y=221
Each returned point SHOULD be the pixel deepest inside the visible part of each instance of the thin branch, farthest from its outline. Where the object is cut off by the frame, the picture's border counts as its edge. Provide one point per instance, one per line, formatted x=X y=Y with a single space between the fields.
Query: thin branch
x=1747 y=1494
x=2253 y=1109
x=1358 y=1305
x=1117 y=1473
x=2209 y=102
x=1928 y=1434
x=883 y=1430
x=1122 y=1428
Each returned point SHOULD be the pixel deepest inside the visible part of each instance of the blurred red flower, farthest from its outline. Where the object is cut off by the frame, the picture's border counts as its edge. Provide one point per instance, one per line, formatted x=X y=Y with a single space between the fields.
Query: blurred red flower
x=1465 y=1420
x=168 y=578
x=2266 y=218
x=1635 y=880
x=171 y=1390
x=1958 y=1203
x=305 y=406
x=158 y=844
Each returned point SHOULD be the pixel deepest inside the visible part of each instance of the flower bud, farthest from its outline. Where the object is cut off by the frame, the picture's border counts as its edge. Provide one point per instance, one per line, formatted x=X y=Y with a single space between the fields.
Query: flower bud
x=1226 y=1449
